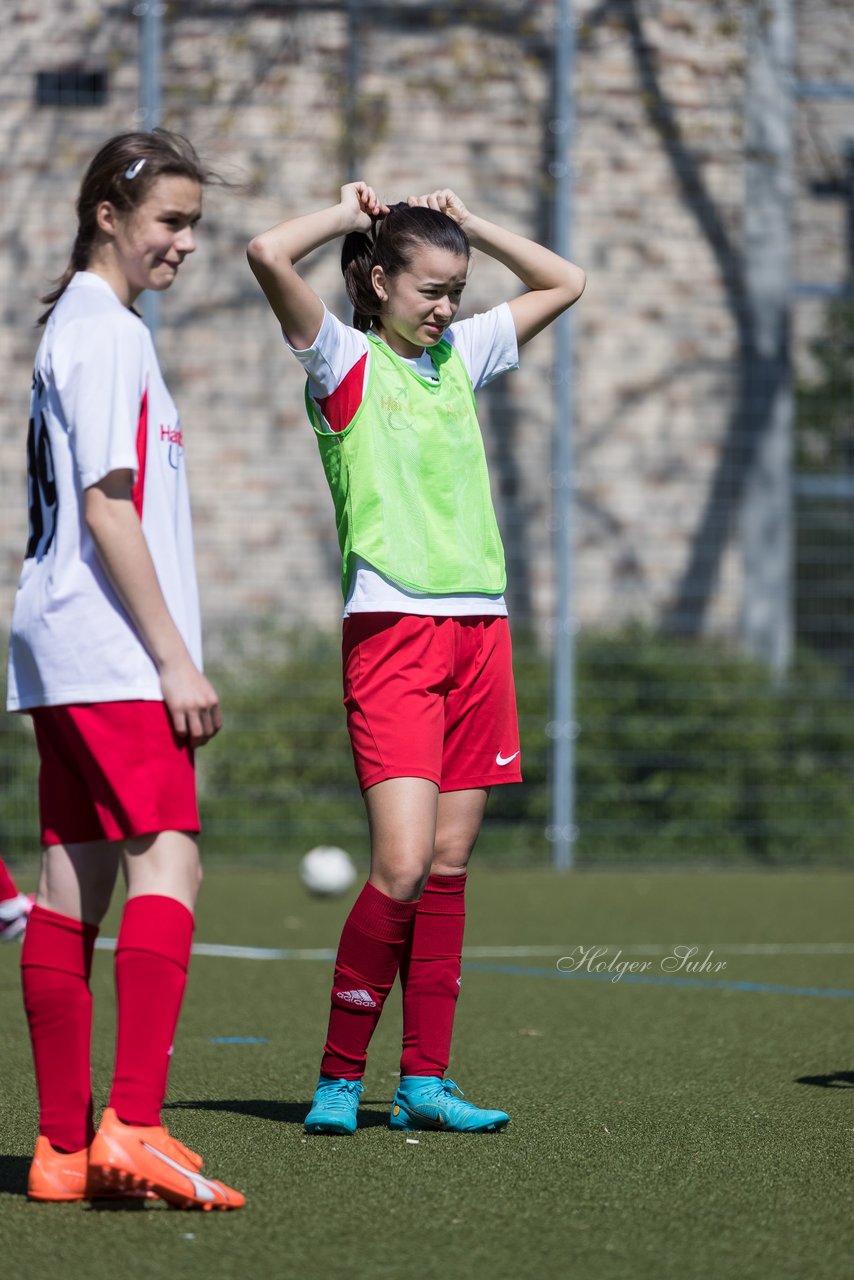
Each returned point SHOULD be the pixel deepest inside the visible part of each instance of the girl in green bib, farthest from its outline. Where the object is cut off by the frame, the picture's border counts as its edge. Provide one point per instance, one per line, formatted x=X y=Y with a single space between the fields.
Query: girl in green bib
x=428 y=682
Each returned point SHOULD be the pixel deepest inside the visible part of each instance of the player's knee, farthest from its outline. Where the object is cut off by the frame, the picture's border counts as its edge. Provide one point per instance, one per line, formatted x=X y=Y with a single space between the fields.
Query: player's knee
x=451 y=853
x=402 y=885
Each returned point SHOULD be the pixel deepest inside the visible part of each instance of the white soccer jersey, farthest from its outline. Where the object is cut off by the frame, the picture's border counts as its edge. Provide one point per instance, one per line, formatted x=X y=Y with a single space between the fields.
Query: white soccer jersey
x=99 y=404
x=337 y=369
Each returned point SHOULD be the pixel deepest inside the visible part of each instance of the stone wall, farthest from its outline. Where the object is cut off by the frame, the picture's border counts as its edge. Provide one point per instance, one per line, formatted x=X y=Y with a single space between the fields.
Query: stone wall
x=458 y=95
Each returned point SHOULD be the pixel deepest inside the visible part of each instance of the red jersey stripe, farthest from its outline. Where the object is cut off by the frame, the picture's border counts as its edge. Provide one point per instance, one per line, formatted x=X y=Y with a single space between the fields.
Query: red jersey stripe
x=141 y=453
x=340 y=407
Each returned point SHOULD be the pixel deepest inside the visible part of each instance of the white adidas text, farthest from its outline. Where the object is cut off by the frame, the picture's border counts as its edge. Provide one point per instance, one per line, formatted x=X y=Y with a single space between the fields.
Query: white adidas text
x=362 y=998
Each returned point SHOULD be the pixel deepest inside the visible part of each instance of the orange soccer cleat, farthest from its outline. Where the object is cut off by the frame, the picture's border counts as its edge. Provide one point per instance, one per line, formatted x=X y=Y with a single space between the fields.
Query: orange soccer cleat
x=56 y=1176
x=126 y=1157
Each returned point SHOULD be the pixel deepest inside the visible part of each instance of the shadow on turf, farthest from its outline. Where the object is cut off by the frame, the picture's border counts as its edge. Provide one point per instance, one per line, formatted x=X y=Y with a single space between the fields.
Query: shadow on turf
x=13 y=1182
x=839 y=1080
x=124 y=1206
x=13 y=1174
x=280 y=1112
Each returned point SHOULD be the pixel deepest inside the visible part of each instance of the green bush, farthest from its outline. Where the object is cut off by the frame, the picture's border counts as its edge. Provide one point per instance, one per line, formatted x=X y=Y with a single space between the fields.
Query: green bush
x=824 y=492
x=279 y=778
x=19 y=771
x=689 y=753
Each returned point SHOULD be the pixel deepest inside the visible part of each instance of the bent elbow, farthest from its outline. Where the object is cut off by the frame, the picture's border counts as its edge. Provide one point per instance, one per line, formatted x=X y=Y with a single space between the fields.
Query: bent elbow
x=264 y=255
x=577 y=284
x=256 y=251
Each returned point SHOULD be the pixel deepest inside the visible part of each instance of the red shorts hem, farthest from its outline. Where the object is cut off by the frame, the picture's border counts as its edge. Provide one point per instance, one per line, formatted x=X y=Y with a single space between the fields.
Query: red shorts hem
x=482 y=780
x=368 y=780
x=49 y=838
x=457 y=784
x=112 y=771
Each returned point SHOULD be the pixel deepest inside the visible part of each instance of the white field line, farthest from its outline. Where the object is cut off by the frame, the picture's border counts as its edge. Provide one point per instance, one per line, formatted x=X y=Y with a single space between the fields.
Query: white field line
x=223 y=951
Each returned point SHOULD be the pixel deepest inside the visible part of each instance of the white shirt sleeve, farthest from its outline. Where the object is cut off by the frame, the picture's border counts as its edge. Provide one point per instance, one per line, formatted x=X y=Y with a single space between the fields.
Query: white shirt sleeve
x=337 y=348
x=487 y=344
x=99 y=374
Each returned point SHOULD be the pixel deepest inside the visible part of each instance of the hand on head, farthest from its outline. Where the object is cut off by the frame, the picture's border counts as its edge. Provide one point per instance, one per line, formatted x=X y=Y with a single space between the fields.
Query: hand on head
x=445 y=201
x=363 y=203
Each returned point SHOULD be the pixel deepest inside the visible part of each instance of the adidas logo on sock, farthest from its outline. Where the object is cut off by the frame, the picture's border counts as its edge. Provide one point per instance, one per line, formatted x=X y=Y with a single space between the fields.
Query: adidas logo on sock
x=362 y=998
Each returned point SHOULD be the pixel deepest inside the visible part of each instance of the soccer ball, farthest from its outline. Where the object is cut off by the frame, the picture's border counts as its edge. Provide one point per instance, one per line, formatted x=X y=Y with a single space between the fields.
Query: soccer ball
x=327 y=871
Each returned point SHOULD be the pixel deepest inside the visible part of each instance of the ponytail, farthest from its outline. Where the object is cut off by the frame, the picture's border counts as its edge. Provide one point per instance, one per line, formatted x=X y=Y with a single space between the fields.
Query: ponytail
x=357 y=261
x=389 y=244
x=78 y=261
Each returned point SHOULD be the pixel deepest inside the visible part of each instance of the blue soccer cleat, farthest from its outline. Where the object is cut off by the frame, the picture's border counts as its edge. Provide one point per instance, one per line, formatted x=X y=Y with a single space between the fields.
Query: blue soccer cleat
x=334 y=1107
x=429 y=1102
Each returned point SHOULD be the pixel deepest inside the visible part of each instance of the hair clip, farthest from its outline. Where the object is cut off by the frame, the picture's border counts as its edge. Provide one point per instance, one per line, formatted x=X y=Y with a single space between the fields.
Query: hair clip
x=133 y=169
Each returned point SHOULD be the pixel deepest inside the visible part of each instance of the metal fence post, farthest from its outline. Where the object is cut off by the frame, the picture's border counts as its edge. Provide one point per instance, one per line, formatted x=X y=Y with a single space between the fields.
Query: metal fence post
x=150 y=108
x=766 y=515
x=562 y=727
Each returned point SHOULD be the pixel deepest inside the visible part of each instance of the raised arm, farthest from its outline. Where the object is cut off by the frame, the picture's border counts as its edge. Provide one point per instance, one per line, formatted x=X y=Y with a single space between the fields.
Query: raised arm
x=274 y=254
x=553 y=283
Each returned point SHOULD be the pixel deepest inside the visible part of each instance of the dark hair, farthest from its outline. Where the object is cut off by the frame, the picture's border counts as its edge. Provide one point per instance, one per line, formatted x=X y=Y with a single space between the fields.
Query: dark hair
x=123 y=172
x=389 y=244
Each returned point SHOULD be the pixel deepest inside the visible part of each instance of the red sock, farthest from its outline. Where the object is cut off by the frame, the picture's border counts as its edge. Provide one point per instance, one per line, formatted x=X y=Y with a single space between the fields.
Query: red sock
x=152 y=957
x=366 y=966
x=56 y=961
x=430 y=976
x=8 y=888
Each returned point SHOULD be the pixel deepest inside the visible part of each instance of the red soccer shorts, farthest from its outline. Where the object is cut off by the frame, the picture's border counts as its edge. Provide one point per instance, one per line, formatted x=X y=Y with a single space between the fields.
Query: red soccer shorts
x=112 y=770
x=431 y=698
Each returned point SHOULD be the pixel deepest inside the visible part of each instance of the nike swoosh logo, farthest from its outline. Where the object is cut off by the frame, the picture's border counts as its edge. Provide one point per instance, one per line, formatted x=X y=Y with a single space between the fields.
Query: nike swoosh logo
x=502 y=760
x=201 y=1186
x=437 y=1122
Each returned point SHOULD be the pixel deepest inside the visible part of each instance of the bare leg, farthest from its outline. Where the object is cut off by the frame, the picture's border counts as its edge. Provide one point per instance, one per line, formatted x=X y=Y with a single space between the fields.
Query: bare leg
x=402 y=816
x=166 y=864
x=459 y=819
x=77 y=880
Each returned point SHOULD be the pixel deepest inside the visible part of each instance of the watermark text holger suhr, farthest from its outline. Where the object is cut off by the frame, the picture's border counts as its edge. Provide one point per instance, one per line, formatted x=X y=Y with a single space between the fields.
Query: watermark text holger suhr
x=681 y=959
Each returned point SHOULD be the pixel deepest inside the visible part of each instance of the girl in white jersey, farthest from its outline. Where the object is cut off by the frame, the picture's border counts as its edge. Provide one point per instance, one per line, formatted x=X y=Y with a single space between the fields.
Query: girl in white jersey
x=428 y=682
x=105 y=656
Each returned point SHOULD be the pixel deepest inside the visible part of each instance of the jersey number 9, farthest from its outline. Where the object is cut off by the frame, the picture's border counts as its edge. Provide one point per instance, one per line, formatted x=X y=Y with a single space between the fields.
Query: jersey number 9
x=41 y=483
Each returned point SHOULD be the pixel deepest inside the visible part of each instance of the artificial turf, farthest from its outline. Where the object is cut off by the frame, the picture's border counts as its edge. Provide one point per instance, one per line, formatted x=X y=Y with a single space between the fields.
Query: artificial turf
x=664 y=1124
